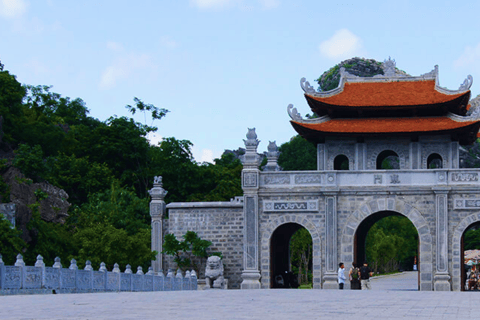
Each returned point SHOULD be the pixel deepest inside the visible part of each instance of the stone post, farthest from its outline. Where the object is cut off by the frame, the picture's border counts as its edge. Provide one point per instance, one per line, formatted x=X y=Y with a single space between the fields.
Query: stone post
x=157 y=211
x=331 y=256
x=194 y=281
x=21 y=265
x=250 y=184
x=57 y=264
x=40 y=264
x=272 y=157
x=442 y=275
x=73 y=265
x=2 y=273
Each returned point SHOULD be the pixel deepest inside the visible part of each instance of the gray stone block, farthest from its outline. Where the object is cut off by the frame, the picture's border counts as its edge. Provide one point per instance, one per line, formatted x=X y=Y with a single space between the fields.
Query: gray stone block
x=84 y=281
x=52 y=278
x=99 y=281
x=32 y=277
x=126 y=282
x=113 y=281
x=13 y=277
x=67 y=278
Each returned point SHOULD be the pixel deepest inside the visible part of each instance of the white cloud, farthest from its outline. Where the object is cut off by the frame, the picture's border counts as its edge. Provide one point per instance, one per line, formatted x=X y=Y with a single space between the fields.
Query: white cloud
x=123 y=66
x=37 y=67
x=154 y=138
x=12 y=8
x=270 y=4
x=208 y=4
x=114 y=46
x=207 y=156
x=168 y=43
x=343 y=44
x=469 y=57
x=242 y=4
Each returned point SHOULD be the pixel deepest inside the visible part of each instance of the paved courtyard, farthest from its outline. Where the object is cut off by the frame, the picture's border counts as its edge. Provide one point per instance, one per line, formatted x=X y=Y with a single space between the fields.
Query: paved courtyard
x=391 y=298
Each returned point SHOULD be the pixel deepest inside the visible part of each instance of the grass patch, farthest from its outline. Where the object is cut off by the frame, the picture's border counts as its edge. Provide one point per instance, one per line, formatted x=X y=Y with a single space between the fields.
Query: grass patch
x=306 y=286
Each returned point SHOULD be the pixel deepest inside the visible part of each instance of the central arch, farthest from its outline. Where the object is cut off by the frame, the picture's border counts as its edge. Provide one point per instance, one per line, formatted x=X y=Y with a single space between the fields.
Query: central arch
x=266 y=254
x=395 y=206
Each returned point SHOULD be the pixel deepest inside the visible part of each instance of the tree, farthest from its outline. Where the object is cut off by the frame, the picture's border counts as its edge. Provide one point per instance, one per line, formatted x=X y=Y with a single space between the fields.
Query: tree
x=471 y=239
x=301 y=253
x=297 y=154
x=11 y=243
x=392 y=243
x=186 y=250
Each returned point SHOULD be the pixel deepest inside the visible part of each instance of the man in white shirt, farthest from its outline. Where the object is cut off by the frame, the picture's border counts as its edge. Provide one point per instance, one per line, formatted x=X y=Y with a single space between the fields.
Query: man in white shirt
x=341 y=275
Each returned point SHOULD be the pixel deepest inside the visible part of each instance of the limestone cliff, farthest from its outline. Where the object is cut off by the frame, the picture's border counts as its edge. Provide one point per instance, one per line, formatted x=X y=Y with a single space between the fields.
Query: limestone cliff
x=22 y=192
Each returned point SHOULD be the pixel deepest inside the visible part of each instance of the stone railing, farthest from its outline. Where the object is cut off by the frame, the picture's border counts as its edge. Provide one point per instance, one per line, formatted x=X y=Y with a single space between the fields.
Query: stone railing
x=20 y=278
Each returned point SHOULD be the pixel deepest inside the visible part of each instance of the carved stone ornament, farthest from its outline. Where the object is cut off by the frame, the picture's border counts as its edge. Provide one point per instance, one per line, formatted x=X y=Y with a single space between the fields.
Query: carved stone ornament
x=250 y=179
x=290 y=206
x=157 y=192
x=464 y=177
x=471 y=203
x=306 y=86
x=308 y=179
x=389 y=67
x=293 y=113
x=157 y=180
x=214 y=273
x=466 y=84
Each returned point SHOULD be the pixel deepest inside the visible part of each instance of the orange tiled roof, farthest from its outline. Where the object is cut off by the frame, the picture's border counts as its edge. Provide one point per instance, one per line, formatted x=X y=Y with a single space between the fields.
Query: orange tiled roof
x=386 y=125
x=394 y=93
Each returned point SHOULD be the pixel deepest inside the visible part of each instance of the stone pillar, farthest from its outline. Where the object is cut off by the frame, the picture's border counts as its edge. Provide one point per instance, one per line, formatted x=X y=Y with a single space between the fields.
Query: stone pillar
x=321 y=156
x=250 y=183
x=415 y=156
x=454 y=155
x=331 y=257
x=157 y=211
x=442 y=276
x=272 y=157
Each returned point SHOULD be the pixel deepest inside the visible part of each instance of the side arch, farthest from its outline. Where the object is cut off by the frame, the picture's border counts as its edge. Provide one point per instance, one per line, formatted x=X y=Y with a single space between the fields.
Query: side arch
x=457 y=264
x=392 y=204
x=266 y=237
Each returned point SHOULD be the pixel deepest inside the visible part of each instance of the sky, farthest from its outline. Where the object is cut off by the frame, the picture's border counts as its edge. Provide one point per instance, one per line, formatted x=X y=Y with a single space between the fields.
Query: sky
x=222 y=66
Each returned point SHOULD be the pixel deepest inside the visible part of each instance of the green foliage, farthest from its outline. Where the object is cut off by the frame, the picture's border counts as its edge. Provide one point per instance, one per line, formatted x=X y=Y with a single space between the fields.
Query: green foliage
x=392 y=243
x=79 y=177
x=297 y=154
x=184 y=251
x=48 y=239
x=471 y=239
x=105 y=243
x=301 y=254
x=113 y=227
x=30 y=161
x=11 y=243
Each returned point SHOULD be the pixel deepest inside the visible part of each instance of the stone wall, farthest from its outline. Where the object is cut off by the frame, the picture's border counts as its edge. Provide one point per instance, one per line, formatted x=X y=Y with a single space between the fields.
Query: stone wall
x=218 y=222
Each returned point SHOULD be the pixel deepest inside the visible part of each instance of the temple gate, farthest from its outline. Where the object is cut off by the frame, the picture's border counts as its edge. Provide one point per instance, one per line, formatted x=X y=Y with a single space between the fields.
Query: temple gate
x=412 y=122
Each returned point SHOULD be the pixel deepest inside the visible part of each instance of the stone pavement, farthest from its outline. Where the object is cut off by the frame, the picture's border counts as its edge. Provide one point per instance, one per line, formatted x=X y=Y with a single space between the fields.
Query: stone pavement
x=398 y=302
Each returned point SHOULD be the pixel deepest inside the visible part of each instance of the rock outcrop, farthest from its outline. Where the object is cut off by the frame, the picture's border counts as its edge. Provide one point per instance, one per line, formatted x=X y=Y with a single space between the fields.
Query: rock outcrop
x=53 y=208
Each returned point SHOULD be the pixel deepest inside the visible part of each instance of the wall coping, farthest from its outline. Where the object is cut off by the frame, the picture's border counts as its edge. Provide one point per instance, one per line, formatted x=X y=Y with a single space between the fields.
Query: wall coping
x=237 y=202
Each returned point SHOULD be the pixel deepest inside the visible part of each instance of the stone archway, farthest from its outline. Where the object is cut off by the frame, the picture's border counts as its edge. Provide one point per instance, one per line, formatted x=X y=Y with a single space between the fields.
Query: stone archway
x=392 y=204
x=457 y=263
x=266 y=236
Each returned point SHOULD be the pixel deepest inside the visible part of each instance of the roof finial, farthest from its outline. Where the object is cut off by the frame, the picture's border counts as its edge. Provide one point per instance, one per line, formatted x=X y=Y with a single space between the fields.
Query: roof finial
x=389 y=67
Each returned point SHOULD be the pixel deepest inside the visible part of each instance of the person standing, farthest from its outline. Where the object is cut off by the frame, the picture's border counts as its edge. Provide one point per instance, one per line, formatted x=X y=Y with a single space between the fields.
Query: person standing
x=365 y=274
x=341 y=275
x=354 y=276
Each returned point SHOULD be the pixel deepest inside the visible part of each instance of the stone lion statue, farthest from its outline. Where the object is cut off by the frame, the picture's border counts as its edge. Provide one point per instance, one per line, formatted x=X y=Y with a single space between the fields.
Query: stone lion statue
x=214 y=273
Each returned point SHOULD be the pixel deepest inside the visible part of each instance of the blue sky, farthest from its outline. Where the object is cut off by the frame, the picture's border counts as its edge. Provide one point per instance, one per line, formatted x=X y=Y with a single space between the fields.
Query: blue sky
x=222 y=66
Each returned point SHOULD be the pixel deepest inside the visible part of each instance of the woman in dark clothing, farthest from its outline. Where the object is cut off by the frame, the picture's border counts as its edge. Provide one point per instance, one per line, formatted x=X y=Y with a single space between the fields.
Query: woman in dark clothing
x=354 y=276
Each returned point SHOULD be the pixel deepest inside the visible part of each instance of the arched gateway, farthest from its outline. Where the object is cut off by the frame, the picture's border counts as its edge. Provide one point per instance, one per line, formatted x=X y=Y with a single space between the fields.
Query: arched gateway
x=384 y=130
